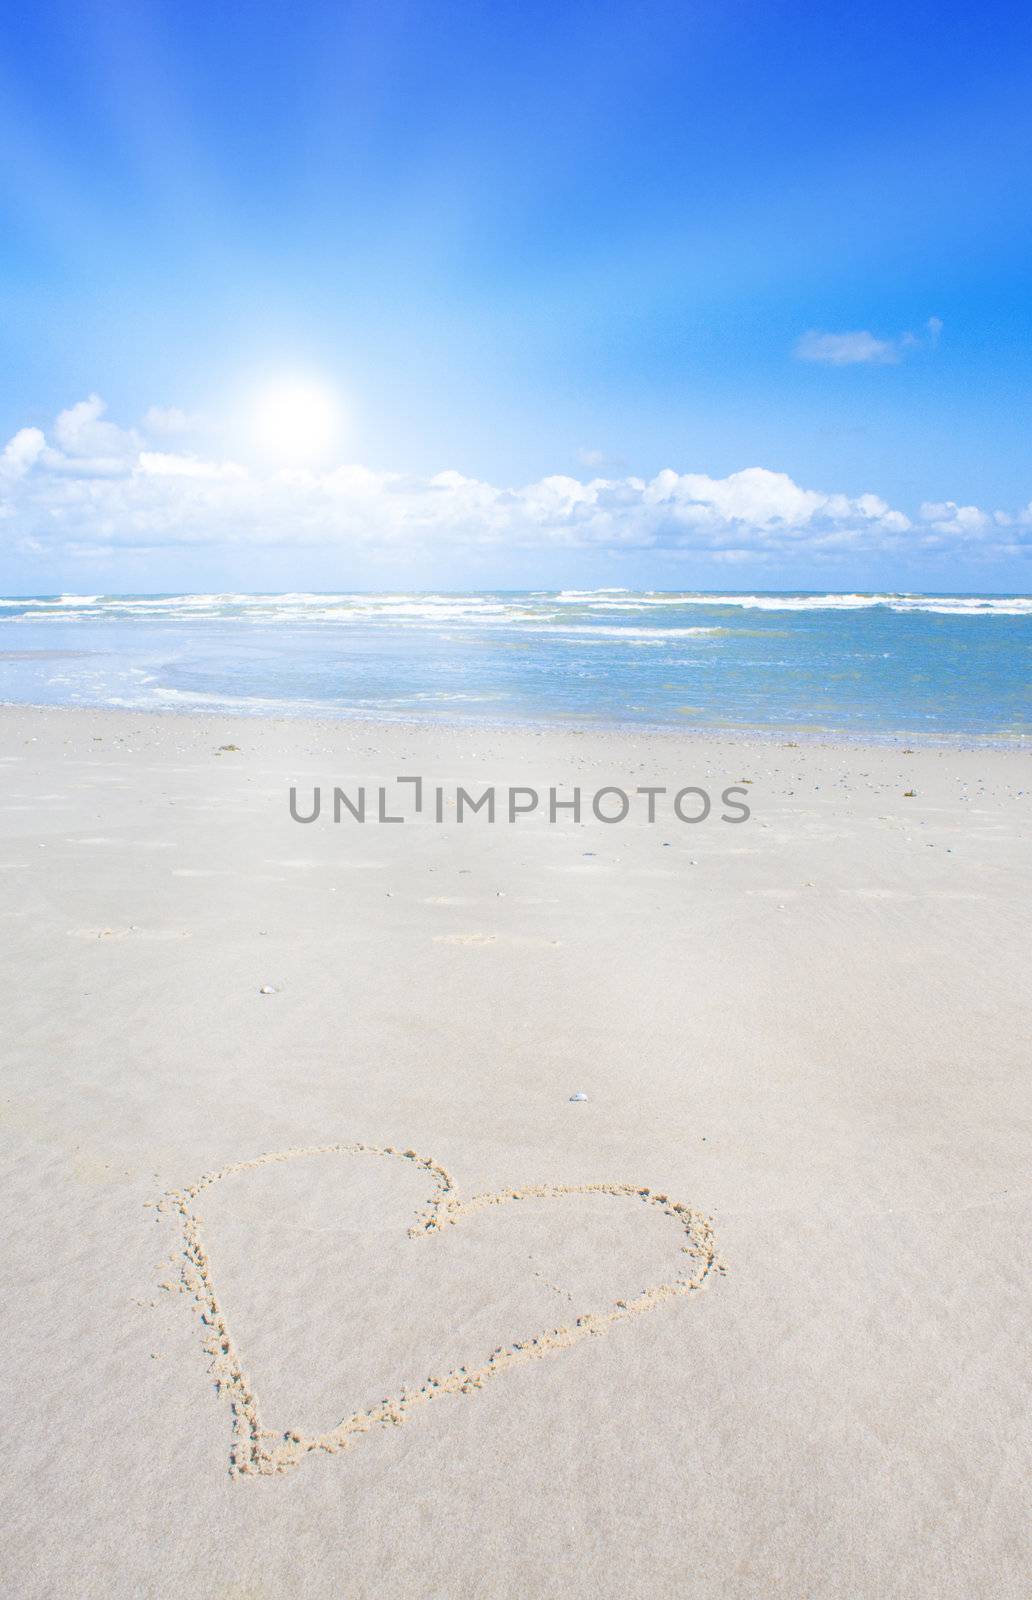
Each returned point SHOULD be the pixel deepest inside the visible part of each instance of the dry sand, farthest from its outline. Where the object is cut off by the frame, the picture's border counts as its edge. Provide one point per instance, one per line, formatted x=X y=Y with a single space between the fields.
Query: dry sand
x=505 y=1358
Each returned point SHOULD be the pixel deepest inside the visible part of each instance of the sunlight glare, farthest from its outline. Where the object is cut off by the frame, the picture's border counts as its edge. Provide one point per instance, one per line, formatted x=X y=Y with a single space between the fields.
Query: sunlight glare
x=296 y=419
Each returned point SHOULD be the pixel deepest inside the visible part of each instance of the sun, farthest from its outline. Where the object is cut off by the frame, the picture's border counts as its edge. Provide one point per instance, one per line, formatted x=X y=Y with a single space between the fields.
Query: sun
x=296 y=419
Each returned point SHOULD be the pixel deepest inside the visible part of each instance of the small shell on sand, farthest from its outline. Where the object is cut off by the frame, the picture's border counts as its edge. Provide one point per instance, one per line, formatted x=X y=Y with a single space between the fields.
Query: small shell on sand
x=580 y=1095
x=266 y=989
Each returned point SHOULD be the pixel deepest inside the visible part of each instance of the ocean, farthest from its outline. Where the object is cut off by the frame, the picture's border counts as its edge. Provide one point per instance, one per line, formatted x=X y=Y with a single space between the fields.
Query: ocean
x=915 y=665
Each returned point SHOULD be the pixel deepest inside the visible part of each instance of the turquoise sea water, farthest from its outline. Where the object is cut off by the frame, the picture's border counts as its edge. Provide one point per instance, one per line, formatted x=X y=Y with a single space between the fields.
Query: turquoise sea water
x=863 y=664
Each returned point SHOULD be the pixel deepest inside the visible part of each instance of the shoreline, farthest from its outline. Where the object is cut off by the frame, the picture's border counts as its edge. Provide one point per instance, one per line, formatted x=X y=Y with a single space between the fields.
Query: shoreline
x=786 y=735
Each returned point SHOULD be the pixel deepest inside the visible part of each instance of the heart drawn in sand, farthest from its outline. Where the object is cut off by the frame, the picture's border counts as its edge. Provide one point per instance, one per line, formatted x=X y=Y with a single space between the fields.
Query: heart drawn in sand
x=257 y=1449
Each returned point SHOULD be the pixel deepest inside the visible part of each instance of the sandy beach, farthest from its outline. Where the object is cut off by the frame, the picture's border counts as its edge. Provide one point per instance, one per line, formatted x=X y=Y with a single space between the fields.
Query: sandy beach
x=748 y=1321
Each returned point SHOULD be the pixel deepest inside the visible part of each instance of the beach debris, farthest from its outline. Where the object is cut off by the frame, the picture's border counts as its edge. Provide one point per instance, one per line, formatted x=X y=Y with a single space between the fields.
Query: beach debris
x=224 y=747
x=580 y=1095
x=910 y=794
x=266 y=988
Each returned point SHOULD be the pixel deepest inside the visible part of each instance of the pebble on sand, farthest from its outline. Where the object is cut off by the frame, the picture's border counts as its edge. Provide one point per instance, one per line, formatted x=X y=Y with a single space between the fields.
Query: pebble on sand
x=580 y=1095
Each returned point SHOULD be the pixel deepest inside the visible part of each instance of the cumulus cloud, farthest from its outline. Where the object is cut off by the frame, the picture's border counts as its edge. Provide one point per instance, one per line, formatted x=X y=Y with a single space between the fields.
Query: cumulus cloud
x=87 y=445
x=21 y=451
x=98 y=487
x=862 y=348
x=945 y=516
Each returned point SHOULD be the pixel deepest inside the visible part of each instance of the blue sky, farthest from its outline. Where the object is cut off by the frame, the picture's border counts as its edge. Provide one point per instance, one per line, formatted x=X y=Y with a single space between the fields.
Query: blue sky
x=520 y=246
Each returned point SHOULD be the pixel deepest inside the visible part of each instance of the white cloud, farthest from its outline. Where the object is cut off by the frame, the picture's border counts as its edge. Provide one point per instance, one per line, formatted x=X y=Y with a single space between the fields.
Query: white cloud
x=158 y=464
x=87 y=445
x=80 y=431
x=98 y=488
x=21 y=452
x=862 y=348
x=846 y=349
x=945 y=516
